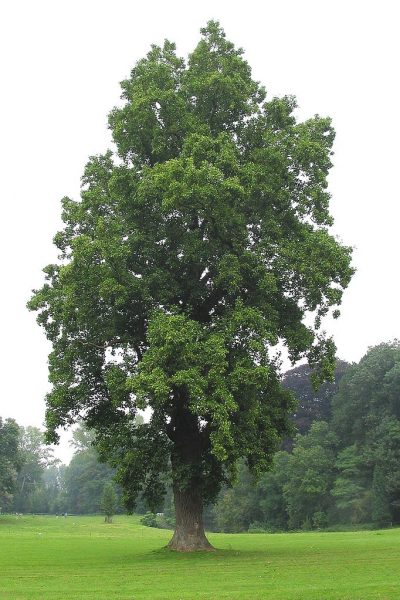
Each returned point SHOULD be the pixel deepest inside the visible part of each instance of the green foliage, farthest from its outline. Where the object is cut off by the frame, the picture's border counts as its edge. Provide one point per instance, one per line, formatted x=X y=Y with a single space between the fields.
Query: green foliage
x=351 y=487
x=366 y=413
x=10 y=461
x=310 y=476
x=82 y=438
x=256 y=527
x=380 y=513
x=35 y=457
x=109 y=501
x=312 y=405
x=31 y=480
x=272 y=501
x=344 y=471
x=53 y=486
x=37 y=483
x=149 y=519
x=159 y=520
x=319 y=519
x=238 y=507
x=85 y=479
x=368 y=393
x=195 y=248
x=386 y=475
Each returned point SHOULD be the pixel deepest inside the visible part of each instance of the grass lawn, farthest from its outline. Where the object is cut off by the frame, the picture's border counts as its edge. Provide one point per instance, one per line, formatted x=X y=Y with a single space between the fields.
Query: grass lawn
x=83 y=558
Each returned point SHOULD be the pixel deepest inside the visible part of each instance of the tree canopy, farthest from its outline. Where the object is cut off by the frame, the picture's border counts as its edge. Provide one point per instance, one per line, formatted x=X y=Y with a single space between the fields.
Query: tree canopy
x=197 y=245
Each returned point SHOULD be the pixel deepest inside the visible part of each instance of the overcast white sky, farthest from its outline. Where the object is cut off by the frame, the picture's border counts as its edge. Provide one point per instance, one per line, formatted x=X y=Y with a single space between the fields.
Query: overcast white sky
x=61 y=63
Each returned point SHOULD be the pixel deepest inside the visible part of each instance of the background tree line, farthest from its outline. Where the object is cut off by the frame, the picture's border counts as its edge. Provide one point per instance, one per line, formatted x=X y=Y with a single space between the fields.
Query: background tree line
x=33 y=481
x=342 y=467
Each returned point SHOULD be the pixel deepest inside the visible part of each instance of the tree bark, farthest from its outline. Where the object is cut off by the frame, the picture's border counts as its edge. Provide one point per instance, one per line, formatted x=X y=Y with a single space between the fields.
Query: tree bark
x=189 y=533
x=186 y=463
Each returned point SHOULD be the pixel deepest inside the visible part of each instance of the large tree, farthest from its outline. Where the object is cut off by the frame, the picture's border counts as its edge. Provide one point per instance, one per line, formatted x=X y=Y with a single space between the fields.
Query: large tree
x=196 y=247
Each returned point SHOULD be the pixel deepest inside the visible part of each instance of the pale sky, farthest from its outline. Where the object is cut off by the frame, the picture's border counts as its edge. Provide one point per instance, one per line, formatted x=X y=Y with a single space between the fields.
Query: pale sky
x=61 y=64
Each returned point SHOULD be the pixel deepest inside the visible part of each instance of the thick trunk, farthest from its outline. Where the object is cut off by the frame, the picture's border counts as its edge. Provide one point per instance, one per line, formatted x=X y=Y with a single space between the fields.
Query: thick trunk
x=189 y=533
x=186 y=463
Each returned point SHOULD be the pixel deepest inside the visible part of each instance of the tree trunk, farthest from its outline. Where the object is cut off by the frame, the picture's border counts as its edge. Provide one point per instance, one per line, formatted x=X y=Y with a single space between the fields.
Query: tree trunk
x=189 y=533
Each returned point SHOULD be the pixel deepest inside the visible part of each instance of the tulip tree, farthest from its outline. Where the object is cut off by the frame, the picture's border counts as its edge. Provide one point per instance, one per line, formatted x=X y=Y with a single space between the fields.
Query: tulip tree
x=198 y=244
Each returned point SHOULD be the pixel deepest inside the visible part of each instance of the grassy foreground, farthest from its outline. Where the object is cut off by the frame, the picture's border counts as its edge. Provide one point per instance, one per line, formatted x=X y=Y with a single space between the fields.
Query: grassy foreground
x=51 y=558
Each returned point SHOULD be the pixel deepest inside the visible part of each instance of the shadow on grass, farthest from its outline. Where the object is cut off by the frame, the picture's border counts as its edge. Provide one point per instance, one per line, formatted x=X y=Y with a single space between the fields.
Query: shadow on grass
x=166 y=554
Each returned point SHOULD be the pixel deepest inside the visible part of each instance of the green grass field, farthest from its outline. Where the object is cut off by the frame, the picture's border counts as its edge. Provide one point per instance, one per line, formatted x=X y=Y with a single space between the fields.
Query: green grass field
x=83 y=558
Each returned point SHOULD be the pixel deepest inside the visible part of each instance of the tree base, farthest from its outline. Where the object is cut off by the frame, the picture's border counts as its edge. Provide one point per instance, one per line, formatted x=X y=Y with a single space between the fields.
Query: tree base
x=186 y=542
x=189 y=533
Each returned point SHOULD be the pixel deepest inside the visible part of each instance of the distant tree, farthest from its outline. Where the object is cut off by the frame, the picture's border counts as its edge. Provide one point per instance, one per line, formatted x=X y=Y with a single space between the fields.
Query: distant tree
x=10 y=461
x=385 y=455
x=238 y=506
x=312 y=404
x=272 y=501
x=35 y=456
x=192 y=252
x=368 y=393
x=381 y=513
x=310 y=477
x=109 y=502
x=325 y=479
x=351 y=488
x=366 y=420
x=53 y=481
x=85 y=479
